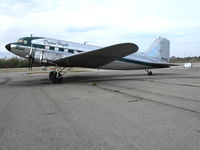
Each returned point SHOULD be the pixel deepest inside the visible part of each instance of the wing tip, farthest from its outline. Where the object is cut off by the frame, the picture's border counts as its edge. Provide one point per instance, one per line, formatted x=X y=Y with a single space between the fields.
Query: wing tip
x=129 y=46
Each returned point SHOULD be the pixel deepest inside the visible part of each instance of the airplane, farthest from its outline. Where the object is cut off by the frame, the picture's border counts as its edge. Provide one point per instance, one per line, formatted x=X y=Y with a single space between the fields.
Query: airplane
x=62 y=54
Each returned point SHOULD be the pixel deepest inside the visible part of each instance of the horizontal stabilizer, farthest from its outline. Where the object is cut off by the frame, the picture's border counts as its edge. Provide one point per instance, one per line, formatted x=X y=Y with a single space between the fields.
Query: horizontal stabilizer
x=161 y=65
x=98 y=57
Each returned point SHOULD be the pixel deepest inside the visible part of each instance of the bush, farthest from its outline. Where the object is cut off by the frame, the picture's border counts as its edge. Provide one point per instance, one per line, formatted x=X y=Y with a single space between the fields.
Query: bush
x=15 y=63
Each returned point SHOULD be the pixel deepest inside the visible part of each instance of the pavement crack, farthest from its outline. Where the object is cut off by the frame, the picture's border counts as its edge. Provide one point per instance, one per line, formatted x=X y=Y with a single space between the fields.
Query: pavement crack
x=74 y=98
x=5 y=81
x=156 y=93
x=147 y=99
x=137 y=98
x=174 y=83
x=47 y=104
x=49 y=113
x=133 y=100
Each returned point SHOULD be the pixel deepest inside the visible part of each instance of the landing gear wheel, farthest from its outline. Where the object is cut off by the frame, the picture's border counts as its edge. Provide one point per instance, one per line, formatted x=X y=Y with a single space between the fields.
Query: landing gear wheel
x=59 y=78
x=150 y=73
x=55 y=77
x=51 y=75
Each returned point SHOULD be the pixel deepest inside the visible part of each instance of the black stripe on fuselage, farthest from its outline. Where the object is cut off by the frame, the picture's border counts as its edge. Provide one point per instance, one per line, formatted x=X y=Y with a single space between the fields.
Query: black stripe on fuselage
x=50 y=47
x=154 y=65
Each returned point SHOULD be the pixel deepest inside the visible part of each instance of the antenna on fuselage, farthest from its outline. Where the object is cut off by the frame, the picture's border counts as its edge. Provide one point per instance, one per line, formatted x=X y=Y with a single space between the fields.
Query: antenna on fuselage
x=31 y=35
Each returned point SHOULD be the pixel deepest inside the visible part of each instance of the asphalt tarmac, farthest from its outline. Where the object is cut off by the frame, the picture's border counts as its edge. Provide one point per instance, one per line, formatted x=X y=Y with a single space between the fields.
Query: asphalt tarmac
x=111 y=110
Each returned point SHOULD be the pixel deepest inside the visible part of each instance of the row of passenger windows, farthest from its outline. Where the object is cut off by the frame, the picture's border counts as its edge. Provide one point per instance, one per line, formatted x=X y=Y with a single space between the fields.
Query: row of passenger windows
x=55 y=48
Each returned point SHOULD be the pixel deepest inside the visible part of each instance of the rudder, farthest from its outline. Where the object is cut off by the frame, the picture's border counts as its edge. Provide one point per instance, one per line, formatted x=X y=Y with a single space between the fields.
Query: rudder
x=159 y=49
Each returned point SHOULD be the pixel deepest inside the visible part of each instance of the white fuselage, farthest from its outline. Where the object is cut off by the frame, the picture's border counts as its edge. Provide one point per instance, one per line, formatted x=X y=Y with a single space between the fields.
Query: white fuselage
x=45 y=49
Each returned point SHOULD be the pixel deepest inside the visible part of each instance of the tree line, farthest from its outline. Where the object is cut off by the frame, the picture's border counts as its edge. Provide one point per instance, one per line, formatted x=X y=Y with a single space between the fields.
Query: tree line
x=15 y=63
x=174 y=59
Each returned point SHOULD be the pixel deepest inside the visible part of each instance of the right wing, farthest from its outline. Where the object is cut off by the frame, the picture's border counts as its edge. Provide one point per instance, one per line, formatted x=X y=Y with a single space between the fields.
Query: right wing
x=98 y=57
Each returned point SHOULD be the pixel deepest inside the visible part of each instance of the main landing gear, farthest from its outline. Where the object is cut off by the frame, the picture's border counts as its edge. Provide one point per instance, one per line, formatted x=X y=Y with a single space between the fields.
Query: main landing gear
x=148 y=72
x=56 y=76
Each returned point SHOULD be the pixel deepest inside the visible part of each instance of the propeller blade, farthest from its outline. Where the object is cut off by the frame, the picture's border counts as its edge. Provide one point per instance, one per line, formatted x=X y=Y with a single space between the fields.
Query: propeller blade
x=29 y=63
x=31 y=59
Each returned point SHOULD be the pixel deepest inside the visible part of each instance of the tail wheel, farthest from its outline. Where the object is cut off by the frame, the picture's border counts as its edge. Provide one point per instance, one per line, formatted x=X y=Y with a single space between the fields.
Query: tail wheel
x=150 y=73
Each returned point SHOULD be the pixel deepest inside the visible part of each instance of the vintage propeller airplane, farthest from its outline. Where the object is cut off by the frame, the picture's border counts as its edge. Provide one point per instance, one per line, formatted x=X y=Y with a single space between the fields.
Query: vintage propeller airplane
x=63 y=54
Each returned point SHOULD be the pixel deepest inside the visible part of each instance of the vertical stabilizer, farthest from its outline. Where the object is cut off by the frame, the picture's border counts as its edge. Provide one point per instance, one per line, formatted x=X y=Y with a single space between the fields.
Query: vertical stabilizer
x=159 y=49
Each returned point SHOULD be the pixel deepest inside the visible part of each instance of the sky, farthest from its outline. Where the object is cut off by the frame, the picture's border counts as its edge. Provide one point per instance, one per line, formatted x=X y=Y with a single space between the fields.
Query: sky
x=104 y=22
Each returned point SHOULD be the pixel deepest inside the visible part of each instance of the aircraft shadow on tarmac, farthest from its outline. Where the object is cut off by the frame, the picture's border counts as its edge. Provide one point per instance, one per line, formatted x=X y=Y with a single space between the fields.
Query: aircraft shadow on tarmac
x=87 y=78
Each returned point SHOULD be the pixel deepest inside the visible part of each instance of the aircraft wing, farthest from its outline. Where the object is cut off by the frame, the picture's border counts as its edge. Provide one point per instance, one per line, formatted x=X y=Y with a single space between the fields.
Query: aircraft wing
x=98 y=57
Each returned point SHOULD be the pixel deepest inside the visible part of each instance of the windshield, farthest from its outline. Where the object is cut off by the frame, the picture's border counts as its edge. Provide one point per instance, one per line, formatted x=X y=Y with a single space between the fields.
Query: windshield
x=20 y=41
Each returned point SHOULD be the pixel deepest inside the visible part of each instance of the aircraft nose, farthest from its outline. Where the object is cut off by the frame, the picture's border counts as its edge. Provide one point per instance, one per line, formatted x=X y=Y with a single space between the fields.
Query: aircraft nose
x=8 y=47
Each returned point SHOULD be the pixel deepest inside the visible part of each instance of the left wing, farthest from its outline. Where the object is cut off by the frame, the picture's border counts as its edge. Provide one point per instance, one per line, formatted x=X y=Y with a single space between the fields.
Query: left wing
x=98 y=57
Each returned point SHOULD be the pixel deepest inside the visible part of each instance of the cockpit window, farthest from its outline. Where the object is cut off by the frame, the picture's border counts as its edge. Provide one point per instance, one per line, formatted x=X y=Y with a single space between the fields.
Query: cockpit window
x=25 y=41
x=20 y=41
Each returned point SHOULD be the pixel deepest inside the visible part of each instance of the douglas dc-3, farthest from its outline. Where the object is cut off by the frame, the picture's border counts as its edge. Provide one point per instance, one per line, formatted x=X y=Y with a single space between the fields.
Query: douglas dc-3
x=63 y=54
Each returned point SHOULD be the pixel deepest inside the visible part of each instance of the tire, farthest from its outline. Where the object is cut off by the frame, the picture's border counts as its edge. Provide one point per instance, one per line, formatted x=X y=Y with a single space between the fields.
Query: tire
x=150 y=73
x=51 y=75
x=54 y=78
x=59 y=80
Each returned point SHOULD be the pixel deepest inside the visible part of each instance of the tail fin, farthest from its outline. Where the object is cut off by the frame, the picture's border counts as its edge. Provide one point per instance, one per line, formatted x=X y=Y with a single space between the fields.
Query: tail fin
x=159 y=49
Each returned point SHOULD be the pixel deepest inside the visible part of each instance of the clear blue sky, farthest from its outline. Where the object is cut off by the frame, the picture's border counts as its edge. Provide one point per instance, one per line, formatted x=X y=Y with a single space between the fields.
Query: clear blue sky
x=104 y=22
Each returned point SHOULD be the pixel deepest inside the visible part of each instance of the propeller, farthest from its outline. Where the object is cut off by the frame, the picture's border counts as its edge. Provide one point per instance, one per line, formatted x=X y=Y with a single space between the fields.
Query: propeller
x=30 y=59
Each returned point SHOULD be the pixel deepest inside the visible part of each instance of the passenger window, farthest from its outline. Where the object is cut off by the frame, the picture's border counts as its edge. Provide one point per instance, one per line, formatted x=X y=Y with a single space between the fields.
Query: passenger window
x=75 y=52
x=61 y=49
x=71 y=51
x=51 y=48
